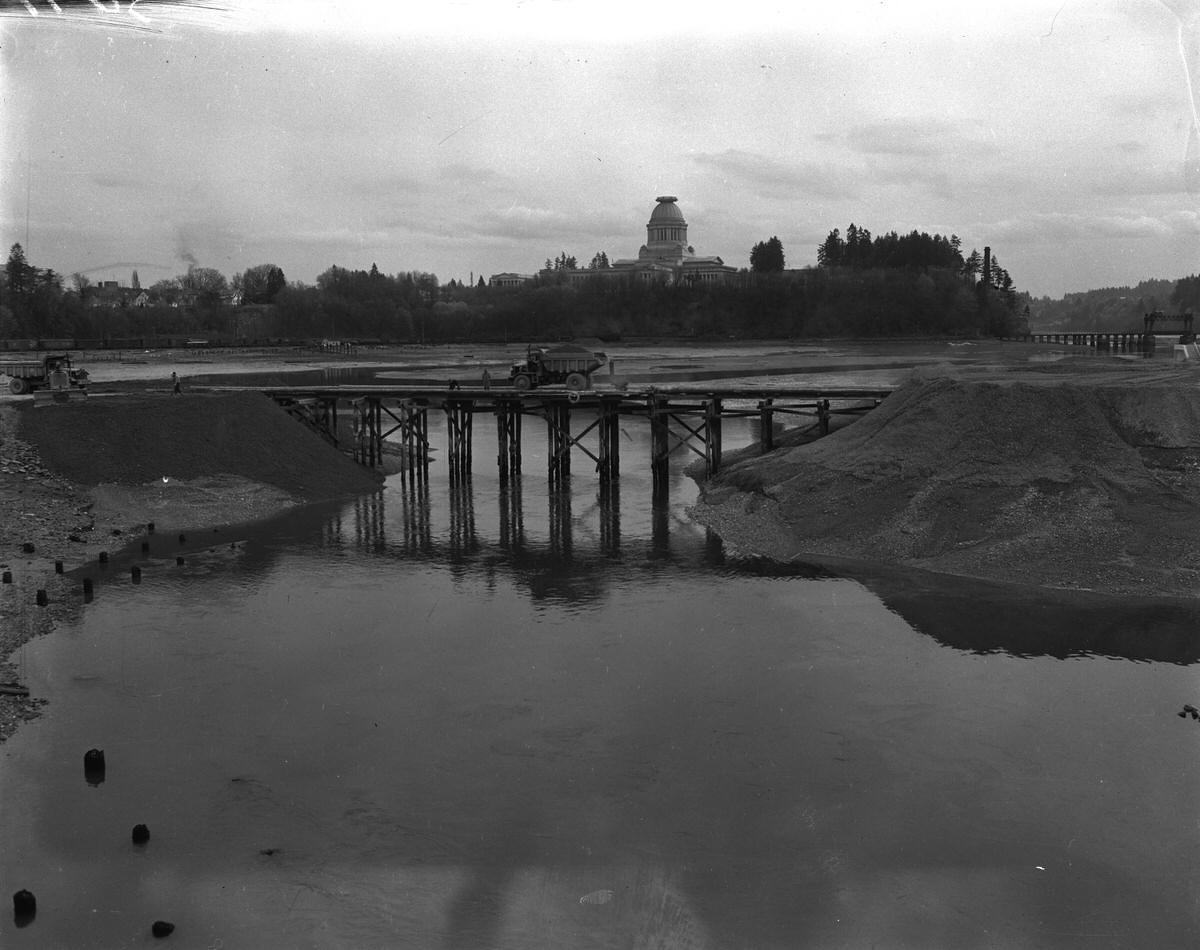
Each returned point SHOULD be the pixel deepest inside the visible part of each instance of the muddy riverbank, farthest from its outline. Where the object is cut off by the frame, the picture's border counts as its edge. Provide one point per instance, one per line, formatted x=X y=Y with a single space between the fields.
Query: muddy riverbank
x=89 y=477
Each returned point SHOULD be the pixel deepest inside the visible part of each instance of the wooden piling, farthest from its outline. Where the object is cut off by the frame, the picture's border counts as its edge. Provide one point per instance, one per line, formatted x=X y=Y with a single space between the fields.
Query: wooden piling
x=459 y=417
x=558 y=444
x=660 y=443
x=508 y=438
x=766 y=425
x=609 y=467
x=712 y=436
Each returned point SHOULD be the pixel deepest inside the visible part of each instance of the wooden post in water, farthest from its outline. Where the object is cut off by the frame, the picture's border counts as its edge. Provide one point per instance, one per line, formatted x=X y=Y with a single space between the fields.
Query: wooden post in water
x=660 y=442
x=508 y=438
x=558 y=443
x=766 y=425
x=459 y=414
x=414 y=426
x=712 y=436
x=610 y=439
x=376 y=431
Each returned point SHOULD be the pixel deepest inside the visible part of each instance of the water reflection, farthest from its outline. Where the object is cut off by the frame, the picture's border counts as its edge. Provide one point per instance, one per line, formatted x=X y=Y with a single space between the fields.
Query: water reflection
x=983 y=618
x=443 y=718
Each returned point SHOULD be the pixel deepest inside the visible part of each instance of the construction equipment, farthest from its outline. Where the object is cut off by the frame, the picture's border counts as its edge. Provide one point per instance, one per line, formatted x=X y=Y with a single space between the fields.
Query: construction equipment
x=569 y=365
x=53 y=372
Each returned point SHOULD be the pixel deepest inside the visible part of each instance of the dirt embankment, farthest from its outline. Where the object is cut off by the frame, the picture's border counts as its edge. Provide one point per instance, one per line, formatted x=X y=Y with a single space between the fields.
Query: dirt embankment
x=1059 y=484
x=84 y=477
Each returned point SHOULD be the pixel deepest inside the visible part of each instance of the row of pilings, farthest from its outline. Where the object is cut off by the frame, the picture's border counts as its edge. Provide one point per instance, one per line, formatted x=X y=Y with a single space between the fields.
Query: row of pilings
x=391 y=430
x=1131 y=342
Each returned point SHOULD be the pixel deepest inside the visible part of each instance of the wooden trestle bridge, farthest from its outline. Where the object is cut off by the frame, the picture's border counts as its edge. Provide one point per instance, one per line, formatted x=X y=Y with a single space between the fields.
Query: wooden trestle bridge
x=399 y=417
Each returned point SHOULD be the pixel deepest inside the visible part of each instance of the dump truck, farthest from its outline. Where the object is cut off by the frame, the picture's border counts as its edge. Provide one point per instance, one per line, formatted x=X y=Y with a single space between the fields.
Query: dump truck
x=53 y=372
x=571 y=366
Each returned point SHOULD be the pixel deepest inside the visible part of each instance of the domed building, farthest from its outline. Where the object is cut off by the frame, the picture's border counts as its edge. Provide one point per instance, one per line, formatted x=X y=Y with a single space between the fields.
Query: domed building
x=667 y=254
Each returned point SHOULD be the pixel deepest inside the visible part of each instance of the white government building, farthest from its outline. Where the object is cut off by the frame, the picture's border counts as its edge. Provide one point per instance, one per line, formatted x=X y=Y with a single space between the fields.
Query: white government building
x=666 y=256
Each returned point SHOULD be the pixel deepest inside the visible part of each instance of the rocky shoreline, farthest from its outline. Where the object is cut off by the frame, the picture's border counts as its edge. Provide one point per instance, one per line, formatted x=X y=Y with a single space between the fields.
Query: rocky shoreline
x=79 y=480
x=48 y=519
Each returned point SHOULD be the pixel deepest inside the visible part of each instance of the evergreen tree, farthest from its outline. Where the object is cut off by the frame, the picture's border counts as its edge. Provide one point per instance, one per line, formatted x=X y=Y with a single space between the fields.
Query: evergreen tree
x=1186 y=295
x=18 y=271
x=766 y=257
x=832 y=250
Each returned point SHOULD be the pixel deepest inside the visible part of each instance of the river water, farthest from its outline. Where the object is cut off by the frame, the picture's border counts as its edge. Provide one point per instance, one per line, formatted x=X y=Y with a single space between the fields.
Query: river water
x=483 y=717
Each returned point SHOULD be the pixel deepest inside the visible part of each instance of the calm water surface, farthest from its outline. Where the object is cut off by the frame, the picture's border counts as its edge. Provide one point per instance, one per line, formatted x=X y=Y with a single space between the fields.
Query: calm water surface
x=482 y=718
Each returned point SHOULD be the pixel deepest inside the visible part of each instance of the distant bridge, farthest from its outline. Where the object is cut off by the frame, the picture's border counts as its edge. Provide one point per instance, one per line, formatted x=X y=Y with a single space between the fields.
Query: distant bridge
x=1142 y=340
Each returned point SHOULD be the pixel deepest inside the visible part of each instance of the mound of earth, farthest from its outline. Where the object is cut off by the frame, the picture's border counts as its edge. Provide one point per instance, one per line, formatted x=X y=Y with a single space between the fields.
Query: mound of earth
x=1060 y=484
x=191 y=460
x=85 y=477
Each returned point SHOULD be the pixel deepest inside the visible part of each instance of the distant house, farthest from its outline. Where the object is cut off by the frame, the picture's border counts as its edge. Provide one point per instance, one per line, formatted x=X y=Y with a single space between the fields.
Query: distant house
x=509 y=280
x=111 y=295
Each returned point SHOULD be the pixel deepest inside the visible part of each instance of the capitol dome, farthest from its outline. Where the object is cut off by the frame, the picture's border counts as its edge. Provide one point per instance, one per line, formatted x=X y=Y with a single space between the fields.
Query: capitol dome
x=666 y=211
x=666 y=233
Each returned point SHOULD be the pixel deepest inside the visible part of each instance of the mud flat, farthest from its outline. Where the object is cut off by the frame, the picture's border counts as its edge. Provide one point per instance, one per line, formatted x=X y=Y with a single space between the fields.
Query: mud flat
x=1085 y=481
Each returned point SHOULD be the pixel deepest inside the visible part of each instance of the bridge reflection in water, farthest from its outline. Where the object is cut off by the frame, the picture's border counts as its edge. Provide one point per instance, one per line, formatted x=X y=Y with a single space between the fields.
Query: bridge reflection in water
x=400 y=522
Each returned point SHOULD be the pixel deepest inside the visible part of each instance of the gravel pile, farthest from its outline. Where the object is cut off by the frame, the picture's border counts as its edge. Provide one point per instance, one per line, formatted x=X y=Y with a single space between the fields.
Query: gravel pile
x=1056 y=484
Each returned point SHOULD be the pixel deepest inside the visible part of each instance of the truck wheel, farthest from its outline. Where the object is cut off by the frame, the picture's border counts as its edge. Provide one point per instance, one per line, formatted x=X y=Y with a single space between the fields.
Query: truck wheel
x=522 y=383
x=576 y=382
x=17 y=386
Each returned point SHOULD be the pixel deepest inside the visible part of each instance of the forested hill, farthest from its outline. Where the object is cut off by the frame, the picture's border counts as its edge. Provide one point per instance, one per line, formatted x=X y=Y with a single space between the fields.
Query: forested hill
x=1115 y=309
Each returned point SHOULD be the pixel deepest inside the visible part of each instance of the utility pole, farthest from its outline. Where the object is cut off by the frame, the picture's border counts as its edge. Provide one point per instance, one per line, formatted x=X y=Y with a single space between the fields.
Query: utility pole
x=28 y=188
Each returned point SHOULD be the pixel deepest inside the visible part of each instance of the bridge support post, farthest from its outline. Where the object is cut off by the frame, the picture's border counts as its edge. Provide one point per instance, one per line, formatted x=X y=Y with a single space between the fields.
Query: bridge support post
x=508 y=438
x=459 y=415
x=610 y=440
x=766 y=425
x=414 y=431
x=368 y=448
x=823 y=415
x=558 y=443
x=712 y=436
x=660 y=443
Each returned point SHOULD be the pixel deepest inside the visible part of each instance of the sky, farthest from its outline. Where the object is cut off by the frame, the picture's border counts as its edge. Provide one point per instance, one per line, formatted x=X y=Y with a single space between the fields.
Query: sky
x=475 y=137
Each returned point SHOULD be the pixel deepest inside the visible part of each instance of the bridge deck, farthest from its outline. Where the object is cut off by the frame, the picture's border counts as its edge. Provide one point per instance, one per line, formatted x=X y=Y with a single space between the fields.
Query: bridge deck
x=679 y=416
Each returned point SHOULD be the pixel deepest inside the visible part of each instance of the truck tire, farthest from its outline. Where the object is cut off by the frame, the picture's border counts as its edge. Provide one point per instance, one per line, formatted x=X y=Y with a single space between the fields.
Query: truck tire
x=576 y=382
x=522 y=383
x=18 y=386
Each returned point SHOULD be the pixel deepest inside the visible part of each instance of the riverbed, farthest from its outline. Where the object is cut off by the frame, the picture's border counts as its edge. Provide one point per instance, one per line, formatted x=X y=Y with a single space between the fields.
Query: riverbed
x=475 y=716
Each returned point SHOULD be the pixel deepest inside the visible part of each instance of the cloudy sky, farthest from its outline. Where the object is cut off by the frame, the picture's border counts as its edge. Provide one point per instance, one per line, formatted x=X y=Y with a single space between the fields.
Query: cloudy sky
x=469 y=138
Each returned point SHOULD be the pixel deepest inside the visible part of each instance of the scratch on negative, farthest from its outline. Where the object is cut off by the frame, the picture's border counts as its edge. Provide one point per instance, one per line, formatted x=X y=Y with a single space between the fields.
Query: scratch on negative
x=1054 y=19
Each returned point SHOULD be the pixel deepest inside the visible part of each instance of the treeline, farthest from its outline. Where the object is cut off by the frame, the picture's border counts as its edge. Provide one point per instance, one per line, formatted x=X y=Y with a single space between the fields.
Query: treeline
x=1108 y=309
x=912 y=285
